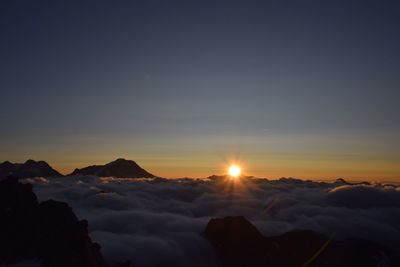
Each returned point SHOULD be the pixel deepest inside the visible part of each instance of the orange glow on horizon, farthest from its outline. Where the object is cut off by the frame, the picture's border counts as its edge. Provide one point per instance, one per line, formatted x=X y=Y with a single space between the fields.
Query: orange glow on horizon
x=271 y=169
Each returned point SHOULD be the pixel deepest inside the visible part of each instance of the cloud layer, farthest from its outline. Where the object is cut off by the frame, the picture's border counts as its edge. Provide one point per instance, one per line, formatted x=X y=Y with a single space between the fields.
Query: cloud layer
x=156 y=222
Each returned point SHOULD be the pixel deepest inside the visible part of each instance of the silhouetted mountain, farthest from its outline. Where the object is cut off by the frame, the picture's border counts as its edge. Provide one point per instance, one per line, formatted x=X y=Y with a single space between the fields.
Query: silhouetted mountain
x=239 y=243
x=47 y=231
x=341 y=181
x=120 y=168
x=216 y=177
x=344 y=182
x=28 y=169
x=7 y=168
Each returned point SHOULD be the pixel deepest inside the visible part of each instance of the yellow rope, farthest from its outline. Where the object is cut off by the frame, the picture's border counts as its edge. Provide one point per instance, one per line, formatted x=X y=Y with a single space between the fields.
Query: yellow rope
x=319 y=251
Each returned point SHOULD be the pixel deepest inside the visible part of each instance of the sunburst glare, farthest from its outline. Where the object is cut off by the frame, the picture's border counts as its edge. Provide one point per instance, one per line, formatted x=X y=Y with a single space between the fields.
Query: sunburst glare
x=234 y=171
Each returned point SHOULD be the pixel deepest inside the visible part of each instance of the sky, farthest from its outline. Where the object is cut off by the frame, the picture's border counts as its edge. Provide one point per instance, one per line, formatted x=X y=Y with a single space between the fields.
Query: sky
x=305 y=89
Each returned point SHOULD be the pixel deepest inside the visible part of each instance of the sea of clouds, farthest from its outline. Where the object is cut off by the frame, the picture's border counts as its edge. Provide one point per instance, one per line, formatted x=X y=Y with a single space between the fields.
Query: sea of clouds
x=157 y=222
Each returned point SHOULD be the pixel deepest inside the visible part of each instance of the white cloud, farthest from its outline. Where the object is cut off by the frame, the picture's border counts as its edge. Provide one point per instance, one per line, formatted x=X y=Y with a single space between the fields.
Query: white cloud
x=157 y=222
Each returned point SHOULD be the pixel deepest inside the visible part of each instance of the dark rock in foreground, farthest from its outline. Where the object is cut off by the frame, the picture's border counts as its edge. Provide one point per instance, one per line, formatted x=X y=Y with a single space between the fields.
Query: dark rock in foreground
x=28 y=169
x=238 y=243
x=48 y=231
x=119 y=168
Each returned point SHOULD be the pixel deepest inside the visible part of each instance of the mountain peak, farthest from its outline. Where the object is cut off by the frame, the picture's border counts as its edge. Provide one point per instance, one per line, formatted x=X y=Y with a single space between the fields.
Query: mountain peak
x=6 y=164
x=121 y=160
x=30 y=161
x=30 y=168
x=120 y=168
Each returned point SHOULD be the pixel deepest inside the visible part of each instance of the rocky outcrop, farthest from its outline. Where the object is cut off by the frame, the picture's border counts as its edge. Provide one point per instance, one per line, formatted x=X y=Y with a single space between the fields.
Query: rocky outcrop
x=28 y=169
x=47 y=231
x=238 y=243
x=120 y=168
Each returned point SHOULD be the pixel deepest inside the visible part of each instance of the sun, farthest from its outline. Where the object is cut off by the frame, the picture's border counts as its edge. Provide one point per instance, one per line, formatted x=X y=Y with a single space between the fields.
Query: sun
x=234 y=171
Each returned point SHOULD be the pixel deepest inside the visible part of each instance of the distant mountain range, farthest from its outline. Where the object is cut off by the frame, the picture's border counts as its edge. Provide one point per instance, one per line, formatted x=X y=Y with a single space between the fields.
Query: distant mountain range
x=28 y=169
x=120 y=168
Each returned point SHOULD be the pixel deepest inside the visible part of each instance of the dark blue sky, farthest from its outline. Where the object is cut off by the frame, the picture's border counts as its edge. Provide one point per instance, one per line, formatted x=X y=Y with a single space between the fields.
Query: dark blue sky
x=300 y=88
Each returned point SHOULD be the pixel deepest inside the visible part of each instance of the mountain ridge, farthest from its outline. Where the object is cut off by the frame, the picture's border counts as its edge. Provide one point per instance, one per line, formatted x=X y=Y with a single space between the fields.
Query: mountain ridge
x=28 y=169
x=119 y=168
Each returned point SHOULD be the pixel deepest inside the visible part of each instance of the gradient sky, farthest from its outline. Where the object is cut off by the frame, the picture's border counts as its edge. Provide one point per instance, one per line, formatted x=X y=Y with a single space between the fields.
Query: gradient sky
x=307 y=89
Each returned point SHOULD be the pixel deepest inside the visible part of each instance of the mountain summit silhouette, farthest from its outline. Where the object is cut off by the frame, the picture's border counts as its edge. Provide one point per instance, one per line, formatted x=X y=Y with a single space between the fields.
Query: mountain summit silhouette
x=120 y=168
x=28 y=169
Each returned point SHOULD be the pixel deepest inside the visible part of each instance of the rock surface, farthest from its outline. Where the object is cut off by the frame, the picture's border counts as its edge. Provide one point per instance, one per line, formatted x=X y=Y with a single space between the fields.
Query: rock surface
x=238 y=243
x=47 y=231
